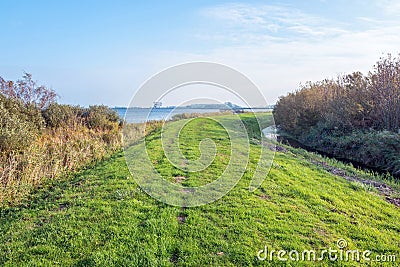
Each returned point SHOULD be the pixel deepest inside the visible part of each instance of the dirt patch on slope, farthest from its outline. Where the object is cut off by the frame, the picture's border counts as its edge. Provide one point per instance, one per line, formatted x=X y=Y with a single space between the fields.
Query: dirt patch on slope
x=382 y=188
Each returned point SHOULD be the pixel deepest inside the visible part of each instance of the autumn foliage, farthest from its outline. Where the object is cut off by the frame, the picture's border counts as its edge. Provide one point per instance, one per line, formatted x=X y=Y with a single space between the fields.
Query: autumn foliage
x=41 y=139
x=354 y=116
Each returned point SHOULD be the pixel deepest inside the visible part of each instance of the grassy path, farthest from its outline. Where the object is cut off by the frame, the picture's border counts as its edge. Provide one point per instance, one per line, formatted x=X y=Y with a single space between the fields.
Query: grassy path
x=101 y=217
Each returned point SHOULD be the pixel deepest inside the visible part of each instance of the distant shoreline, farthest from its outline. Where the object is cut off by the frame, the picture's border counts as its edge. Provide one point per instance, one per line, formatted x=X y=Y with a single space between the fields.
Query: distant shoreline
x=188 y=107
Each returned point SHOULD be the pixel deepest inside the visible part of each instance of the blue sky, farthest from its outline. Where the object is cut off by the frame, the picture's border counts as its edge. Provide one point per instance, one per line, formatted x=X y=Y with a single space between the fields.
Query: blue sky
x=100 y=52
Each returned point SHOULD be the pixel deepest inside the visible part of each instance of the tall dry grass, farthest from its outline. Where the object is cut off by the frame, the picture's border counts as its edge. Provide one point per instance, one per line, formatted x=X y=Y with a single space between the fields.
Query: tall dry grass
x=57 y=151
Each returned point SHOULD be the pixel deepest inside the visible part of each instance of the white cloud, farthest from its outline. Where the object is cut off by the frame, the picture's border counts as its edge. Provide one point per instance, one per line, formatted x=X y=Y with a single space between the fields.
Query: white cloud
x=271 y=20
x=391 y=7
x=280 y=47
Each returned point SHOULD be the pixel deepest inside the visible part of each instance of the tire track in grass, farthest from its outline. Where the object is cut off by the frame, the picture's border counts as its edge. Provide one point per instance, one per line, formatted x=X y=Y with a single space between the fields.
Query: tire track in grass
x=181 y=218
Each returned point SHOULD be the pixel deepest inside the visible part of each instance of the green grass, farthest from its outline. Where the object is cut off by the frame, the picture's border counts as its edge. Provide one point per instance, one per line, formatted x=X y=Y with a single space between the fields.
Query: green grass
x=100 y=217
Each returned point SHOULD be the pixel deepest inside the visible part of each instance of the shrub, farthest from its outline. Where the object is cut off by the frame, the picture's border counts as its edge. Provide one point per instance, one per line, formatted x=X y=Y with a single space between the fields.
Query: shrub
x=20 y=124
x=57 y=115
x=101 y=117
x=30 y=152
x=350 y=102
x=15 y=133
x=355 y=117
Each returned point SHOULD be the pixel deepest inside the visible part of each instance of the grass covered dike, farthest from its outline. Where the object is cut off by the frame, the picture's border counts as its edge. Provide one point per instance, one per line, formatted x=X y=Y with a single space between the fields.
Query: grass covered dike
x=100 y=217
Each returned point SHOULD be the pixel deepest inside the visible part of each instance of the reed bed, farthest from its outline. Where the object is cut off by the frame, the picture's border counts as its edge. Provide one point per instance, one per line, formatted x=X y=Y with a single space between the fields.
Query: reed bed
x=56 y=152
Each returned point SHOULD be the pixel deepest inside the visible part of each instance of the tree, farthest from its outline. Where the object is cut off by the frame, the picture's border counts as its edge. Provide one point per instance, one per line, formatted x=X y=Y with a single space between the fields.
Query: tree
x=350 y=102
x=28 y=91
x=385 y=90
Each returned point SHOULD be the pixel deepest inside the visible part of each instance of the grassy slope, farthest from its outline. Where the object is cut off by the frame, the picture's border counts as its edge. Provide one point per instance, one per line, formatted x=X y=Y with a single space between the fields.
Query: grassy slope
x=101 y=217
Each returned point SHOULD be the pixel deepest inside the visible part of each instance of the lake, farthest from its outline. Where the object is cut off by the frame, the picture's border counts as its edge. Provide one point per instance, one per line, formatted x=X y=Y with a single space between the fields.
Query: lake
x=136 y=115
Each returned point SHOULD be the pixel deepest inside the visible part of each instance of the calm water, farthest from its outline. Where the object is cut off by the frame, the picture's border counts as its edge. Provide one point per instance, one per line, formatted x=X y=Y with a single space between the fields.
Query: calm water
x=135 y=115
